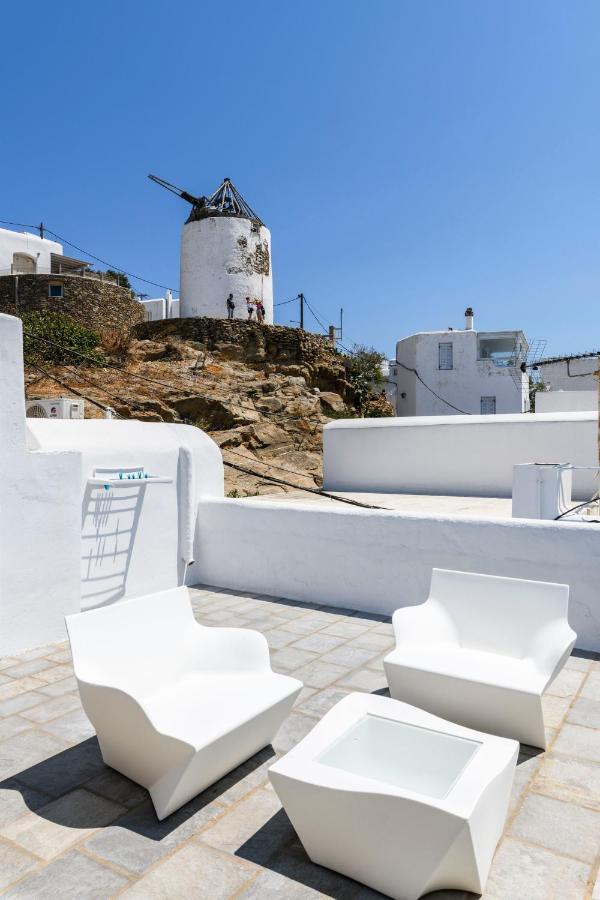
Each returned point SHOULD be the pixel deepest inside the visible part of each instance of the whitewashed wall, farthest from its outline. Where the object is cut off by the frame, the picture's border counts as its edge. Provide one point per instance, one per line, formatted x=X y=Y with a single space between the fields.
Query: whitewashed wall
x=462 y=386
x=378 y=561
x=570 y=375
x=19 y=242
x=130 y=538
x=566 y=401
x=214 y=264
x=462 y=455
x=40 y=519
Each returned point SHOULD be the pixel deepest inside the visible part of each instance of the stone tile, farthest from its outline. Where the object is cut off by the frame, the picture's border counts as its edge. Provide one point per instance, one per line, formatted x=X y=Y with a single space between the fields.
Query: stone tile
x=51 y=709
x=14 y=863
x=74 y=877
x=24 y=750
x=555 y=709
x=61 y=656
x=288 y=658
x=71 y=728
x=7 y=661
x=272 y=886
x=561 y=827
x=296 y=726
x=578 y=662
x=319 y=674
x=320 y=703
x=304 y=694
x=347 y=629
x=576 y=740
x=16 y=799
x=591 y=688
x=278 y=638
x=195 y=871
x=585 y=712
x=34 y=653
x=65 y=770
x=250 y=775
x=351 y=657
x=363 y=680
x=12 y=725
x=17 y=686
x=116 y=787
x=376 y=664
x=370 y=640
x=56 y=673
x=522 y=872
x=244 y=819
x=306 y=624
x=527 y=767
x=67 y=685
x=19 y=703
x=29 y=667
x=571 y=780
x=319 y=642
x=566 y=683
x=58 y=825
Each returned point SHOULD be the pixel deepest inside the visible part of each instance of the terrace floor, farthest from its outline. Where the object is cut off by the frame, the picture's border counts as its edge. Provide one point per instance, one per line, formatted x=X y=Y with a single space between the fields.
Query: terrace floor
x=426 y=504
x=72 y=828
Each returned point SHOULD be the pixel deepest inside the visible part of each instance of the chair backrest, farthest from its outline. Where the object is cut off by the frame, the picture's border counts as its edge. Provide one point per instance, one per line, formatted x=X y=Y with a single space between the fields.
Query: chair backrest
x=495 y=614
x=136 y=645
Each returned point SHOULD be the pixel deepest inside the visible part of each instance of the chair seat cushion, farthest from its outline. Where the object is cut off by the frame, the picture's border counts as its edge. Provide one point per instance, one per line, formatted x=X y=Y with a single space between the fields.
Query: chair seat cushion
x=465 y=664
x=201 y=707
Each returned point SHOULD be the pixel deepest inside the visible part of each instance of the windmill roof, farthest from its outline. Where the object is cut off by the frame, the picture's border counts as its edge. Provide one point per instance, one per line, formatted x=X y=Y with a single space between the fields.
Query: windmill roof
x=226 y=201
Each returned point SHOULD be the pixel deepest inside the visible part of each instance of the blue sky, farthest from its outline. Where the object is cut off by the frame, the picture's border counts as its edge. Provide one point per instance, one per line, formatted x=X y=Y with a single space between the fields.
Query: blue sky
x=410 y=159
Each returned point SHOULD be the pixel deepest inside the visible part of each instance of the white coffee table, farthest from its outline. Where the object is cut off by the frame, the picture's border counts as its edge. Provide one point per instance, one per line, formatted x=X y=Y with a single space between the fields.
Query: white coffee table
x=397 y=798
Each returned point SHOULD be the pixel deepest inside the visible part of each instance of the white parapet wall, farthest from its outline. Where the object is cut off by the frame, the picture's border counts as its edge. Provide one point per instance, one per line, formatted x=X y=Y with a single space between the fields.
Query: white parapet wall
x=566 y=401
x=377 y=561
x=460 y=455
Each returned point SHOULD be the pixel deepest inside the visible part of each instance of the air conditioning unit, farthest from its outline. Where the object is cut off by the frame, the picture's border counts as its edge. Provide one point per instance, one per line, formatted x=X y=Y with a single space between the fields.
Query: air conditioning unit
x=54 y=408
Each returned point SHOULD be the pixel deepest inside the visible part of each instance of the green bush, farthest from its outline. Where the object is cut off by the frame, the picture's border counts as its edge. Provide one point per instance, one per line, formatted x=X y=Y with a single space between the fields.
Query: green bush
x=49 y=336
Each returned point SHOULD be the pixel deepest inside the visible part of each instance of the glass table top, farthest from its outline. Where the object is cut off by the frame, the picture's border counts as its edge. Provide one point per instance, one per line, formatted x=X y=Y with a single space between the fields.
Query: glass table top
x=398 y=753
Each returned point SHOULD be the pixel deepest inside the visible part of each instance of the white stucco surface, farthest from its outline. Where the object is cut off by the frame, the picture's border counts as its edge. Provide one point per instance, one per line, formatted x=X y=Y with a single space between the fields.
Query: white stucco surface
x=566 y=401
x=39 y=249
x=576 y=374
x=217 y=259
x=465 y=455
x=462 y=386
x=130 y=540
x=378 y=561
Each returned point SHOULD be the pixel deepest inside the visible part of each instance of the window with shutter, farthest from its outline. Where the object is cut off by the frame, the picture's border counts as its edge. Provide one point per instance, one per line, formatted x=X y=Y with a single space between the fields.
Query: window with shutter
x=488 y=406
x=445 y=360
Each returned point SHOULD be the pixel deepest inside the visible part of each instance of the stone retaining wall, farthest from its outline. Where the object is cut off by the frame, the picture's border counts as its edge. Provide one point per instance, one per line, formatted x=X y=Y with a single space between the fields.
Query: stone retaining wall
x=97 y=304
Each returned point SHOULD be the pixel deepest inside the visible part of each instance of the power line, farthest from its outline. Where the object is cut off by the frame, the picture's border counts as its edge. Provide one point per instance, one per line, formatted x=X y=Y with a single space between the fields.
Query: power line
x=69 y=388
x=414 y=371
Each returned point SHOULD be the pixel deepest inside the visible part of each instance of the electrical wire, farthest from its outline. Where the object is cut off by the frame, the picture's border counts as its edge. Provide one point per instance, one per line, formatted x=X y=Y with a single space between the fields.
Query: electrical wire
x=435 y=394
x=70 y=388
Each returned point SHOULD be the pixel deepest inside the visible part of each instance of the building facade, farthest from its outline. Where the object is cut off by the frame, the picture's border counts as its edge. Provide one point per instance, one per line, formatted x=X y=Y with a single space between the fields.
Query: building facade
x=570 y=373
x=454 y=372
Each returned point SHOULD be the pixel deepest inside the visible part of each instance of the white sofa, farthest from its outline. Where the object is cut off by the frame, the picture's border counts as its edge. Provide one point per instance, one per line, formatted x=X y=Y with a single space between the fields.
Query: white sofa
x=176 y=705
x=397 y=798
x=481 y=651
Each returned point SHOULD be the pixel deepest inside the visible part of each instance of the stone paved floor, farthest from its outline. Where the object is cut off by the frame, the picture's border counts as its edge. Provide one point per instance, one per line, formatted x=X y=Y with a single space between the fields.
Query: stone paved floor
x=72 y=828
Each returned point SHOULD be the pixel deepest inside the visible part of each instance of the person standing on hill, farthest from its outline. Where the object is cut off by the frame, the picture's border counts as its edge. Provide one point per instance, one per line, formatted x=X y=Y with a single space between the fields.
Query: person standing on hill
x=260 y=312
x=230 y=307
x=250 y=308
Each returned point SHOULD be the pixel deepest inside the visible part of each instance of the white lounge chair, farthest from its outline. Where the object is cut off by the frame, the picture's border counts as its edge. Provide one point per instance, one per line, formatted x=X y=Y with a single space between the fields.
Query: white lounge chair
x=176 y=705
x=481 y=651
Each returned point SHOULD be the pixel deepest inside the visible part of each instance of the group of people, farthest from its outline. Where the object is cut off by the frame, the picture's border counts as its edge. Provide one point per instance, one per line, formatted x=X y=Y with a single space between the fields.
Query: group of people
x=251 y=305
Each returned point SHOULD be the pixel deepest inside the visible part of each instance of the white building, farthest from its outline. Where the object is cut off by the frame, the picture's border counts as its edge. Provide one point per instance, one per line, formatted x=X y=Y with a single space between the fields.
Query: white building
x=22 y=253
x=460 y=371
x=570 y=373
x=161 y=307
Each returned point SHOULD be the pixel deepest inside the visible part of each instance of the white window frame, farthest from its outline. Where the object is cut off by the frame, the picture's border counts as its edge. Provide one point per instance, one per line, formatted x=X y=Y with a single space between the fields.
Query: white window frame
x=445 y=355
x=485 y=401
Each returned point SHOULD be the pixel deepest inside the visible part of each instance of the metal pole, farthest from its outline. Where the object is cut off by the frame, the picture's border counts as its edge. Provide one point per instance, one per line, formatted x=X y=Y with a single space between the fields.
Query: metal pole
x=42 y=230
x=341 y=323
x=301 y=298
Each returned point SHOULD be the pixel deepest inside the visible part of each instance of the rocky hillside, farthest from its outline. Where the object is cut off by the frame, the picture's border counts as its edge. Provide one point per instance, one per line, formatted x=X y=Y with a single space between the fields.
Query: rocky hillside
x=263 y=393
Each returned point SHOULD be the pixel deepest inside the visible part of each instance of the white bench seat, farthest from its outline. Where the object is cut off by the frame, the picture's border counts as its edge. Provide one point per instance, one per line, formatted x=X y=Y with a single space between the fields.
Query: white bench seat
x=481 y=651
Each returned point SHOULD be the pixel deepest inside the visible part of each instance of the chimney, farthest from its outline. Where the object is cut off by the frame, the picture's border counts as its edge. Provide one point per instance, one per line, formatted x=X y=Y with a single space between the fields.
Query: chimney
x=469 y=319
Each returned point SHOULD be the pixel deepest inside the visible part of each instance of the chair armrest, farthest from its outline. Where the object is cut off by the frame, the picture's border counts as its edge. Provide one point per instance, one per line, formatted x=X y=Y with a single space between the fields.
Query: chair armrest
x=422 y=624
x=551 y=647
x=233 y=649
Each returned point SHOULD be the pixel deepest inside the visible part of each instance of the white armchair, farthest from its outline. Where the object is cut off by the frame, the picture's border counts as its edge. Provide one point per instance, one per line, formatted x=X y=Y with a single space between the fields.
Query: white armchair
x=176 y=705
x=481 y=651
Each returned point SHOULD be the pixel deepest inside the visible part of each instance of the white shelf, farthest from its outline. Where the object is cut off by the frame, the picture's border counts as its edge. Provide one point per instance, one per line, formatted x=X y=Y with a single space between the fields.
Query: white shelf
x=128 y=482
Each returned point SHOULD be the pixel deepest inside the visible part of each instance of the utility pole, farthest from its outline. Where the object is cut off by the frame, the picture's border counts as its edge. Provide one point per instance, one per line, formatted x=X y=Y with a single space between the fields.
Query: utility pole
x=341 y=323
x=301 y=299
x=41 y=226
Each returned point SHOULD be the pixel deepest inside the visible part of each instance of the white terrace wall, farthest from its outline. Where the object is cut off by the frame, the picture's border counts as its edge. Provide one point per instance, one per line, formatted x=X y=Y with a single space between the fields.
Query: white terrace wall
x=461 y=455
x=378 y=561
x=40 y=518
x=566 y=401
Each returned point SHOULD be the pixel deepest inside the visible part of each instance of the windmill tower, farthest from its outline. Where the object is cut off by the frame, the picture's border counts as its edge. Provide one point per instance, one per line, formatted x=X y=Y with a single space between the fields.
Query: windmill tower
x=225 y=248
